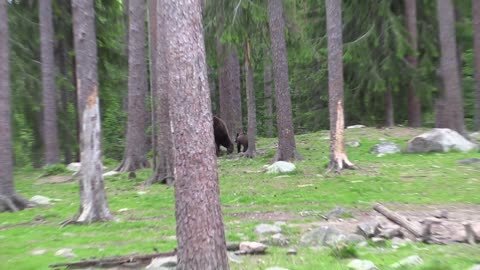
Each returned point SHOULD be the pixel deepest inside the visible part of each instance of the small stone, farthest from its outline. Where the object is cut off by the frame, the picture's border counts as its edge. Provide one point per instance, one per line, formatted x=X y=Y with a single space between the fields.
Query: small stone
x=441 y=214
x=39 y=252
x=41 y=200
x=110 y=173
x=281 y=167
x=74 y=166
x=410 y=261
x=278 y=239
x=391 y=232
x=251 y=248
x=266 y=229
x=292 y=251
x=234 y=258
x=355 y=126
x=475 y=267
x=171 y=238
x=362 y=265
x=65 y=252
x=362 y=244
x=378 y=241
x=163 y=263
x=368 y=230
x=353 y=144
x=141 y=192
x=280 y=223
x=122 y=210
x=68 y=234
x=385 y=148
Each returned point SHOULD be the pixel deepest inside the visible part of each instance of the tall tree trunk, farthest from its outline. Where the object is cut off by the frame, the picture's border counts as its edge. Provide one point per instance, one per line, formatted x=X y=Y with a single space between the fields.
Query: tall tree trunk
x=236 y=125
x=136 y=148
x=200 y=230
x=476 y=34
x=338 y=156
x=163 y=171
x=9 y=200
x=267 y=89
x=389 y=115
x=414 y=105
x=286 y=137
x=93 y=200
x=50 y=123
x=449 y=67
x=252 y=114
x=65 y=97
x=225 y=95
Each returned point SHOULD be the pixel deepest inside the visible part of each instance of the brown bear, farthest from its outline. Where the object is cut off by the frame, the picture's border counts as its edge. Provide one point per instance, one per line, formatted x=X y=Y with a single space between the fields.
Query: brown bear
x=222 y=138
x=241 y=140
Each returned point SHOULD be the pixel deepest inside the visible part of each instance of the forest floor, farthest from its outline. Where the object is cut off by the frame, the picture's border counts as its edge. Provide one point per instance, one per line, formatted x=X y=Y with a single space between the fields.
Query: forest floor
x=411 y=184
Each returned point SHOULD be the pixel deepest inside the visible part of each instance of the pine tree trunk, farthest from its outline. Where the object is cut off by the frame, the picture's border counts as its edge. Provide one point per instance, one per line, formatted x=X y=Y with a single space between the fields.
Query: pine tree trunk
x=93 y=201
x=414 y=105
x=267 y=88
x=136 y=142
x=252 y=118
x=50 y=123
x=225 y=95
x=286 y=139
x=200 y=230
x=9 y=200
x=236 y=125
x=389 y=109
x=476 y=34
x=449 y=67
x=65 y=97
x=163 y=171
x=338 y=156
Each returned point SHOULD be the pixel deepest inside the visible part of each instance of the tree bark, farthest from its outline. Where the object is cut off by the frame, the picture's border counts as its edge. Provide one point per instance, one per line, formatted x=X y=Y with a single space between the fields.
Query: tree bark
x=225 y=95
x=200 y=230
x=93 y=200
x=267 y=88
x=9 y=200
x=338 y=156
x=236 y=95
x=252 y=117
x=136 y=148
x=389 y=109
x=449 y=67
x=476 y=34
x=286 y=139
x=163 y=171
x=414 y=105
x=50 y=123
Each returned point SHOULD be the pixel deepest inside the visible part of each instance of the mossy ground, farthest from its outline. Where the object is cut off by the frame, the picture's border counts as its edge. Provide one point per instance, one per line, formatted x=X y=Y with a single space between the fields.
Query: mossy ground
x=249 y=196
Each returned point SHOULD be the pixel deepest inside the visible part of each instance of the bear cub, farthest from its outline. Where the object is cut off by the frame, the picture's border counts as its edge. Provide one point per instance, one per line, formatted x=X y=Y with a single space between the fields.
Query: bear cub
x=241 y=140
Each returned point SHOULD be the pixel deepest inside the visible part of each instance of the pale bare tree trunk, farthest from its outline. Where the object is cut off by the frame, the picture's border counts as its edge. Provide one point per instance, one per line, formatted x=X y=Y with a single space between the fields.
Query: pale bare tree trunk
x=200 y=230
x=163 y=171
x=389 y=109
x=414 y=105
x=252 y=117
x=236 y=125
x=50 y=123
x=286 y=137
x=338 y=156
x=93 y=200
x=136 y=142
x=9 y=200
x=267 y=88
x=476 y=34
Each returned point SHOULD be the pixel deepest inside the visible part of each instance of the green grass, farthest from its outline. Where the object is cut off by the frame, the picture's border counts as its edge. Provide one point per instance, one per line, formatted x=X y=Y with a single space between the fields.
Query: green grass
x=249 y=195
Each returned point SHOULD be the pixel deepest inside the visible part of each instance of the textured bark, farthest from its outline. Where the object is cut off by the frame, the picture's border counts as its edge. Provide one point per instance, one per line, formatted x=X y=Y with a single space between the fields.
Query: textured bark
x=163 y=171
x=449 y=67
x=252 y=117
x=200 y=230
x=125 y=5
x=9 y=200
x=236 y=125
x=286 y=138
x=476 y=34
x=338 y=156
x=50 y=123
x=136 y=142
x=93 y=201
x=66 y=99
x=267 y=88
x=225 y=96
x=413 y=101
x=389 y=109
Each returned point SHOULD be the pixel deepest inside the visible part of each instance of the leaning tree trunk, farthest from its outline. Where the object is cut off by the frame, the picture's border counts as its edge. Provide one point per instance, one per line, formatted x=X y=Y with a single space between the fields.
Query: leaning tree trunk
x=338 y=156
x=50 y=123
x=200 y=230
x=476 y=34
x=93 y=200
x=286 y=139
x=252 y=117
x=414 y=105
x=9 y=200
x=449 y=67
x=136 y=148
x=163 y=171
x=267 y=89
x=389 y=110
x=236 y=95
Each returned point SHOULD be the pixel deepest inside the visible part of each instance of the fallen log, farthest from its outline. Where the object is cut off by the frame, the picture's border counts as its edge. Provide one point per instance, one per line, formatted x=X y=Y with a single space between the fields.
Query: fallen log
x=399 y=220
x=114 y=261
x=471 y=236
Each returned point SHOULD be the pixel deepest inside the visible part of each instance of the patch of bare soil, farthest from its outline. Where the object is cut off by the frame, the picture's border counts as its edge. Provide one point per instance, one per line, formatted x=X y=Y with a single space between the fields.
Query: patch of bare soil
x=54 y=179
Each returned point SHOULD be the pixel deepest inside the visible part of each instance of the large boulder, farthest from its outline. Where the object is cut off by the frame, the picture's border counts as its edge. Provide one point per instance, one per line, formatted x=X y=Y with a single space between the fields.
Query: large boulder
x=281 y=167
x=440 y=140
x=328 y=236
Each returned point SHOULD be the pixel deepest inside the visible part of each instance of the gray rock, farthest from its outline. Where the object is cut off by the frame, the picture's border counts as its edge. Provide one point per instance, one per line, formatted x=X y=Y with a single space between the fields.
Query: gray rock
x=385 y=148
x=362 y=265
x=276 y=268
x=66 y=253
x=356 y=126
x=391 y=232
x=292 y=251
x=353 y=144
x=110 y=173
x=469 y=161
x=281 y=167
x=251 y=248
x=475 y=267
x=74 y=166
x=410 y=261
x=280 y=223
x=38 y=252
x=278 y=240
x=441 y=213
x=328 y=236
x=164 y=263
x=362 y=244
x=440 y=140
x=378 y=241
x=368 y=230
x=234 y=258
x=41 y=200
x=399 y=242
x=267 y=229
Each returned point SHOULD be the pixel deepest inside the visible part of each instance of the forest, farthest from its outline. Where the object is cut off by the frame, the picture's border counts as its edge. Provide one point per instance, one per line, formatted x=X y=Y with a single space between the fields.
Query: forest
x=208 y=131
